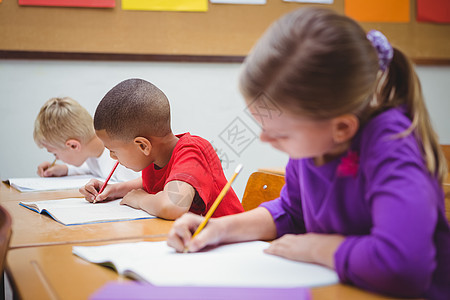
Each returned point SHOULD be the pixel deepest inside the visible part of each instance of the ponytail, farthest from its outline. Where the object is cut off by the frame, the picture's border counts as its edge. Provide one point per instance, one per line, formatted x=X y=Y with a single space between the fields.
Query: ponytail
x=399 y=85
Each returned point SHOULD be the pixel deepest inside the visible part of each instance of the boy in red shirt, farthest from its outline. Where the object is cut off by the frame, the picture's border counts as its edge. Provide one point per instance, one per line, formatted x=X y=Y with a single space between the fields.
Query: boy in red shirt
x=180 y=173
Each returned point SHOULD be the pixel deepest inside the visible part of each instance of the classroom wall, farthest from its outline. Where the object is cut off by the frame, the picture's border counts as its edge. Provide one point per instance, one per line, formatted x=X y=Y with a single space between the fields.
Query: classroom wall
x=204 y=97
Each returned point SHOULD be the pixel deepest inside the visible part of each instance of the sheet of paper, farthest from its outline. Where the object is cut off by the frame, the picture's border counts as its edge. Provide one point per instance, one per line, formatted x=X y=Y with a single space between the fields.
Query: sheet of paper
x=239 y=1
x=75 y=211
x=378 y=10
x=49 y=183
x=164 y=5
x=311 y=1
x=235 y=265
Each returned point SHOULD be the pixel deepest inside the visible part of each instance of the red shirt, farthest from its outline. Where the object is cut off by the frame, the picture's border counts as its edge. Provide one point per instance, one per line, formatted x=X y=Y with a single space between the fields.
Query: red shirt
x=195 y=162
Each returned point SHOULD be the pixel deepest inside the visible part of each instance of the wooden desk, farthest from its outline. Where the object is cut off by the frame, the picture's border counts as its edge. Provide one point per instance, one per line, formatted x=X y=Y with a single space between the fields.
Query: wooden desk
x=40 y=263
x=8 y=193
x=32 y=229
x=53 y=272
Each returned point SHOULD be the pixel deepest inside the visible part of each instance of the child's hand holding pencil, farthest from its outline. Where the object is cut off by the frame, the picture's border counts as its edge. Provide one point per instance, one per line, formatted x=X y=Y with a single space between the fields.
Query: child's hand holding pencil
x=195 y=221
x=94 y=188
x=47 y=169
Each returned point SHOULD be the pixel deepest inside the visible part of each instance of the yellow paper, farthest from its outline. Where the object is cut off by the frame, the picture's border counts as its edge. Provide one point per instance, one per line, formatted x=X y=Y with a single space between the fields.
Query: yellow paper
x=378 y=10
x=166 y=5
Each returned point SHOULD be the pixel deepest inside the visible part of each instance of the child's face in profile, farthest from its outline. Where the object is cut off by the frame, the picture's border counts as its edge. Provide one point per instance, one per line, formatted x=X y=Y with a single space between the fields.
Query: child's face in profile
x=67 y=154
x=127 y=153
x=299 y=137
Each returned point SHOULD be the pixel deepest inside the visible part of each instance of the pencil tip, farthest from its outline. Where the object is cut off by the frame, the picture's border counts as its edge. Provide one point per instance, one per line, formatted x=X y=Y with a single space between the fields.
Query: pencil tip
x=238 y=168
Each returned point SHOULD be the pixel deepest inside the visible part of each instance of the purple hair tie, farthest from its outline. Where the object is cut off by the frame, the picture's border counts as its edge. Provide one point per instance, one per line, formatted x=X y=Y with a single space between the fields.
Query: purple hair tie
x=384 y=49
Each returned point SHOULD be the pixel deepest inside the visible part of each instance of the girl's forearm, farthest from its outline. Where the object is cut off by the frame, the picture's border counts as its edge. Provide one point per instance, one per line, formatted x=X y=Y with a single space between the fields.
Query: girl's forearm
x=324 y=249
x=256 y=224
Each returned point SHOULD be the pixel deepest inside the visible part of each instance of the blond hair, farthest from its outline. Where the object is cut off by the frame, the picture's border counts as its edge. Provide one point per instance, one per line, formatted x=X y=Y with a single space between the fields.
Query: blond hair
x=61 y=119
x=318 y=63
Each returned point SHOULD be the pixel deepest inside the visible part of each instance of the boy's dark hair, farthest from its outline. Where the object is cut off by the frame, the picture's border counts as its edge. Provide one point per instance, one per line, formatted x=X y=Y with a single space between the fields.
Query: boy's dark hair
x=133 y=108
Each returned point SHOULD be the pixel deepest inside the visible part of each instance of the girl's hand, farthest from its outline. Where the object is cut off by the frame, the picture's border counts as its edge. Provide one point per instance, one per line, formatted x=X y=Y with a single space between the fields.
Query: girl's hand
x=45 y=170
x=182 y=230
x=310 y=247
x=90 y=191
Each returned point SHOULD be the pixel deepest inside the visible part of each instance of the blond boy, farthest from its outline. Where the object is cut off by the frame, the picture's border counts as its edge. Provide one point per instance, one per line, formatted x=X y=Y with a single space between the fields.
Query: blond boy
x=66 y=130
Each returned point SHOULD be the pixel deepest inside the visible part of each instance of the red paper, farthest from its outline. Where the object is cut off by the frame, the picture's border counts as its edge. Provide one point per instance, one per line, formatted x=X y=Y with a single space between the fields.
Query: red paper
x=70 y=3
x=437 y=11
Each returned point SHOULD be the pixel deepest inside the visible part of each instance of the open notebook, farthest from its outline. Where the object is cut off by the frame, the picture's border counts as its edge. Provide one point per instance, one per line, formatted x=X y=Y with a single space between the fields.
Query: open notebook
x=38 y=184
x=233 y=265
x=76 y=211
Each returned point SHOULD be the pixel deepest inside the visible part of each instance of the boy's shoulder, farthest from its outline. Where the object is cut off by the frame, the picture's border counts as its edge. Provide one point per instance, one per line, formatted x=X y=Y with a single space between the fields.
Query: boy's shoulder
x=186 y=139
x=194 y=145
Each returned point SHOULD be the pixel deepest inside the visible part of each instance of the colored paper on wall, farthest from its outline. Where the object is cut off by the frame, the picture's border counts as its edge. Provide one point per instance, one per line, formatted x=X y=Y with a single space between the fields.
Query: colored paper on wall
x=311 y=1
x=397 y=11
x=70 y=3
x=436 y=11
x=255 y=2
x=166 y=5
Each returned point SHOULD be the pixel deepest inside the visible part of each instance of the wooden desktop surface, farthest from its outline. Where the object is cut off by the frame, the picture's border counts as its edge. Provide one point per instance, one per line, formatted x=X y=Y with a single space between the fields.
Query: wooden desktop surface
x=8 y=193
x=53 y=272
x=30 y=228
x=40 y=263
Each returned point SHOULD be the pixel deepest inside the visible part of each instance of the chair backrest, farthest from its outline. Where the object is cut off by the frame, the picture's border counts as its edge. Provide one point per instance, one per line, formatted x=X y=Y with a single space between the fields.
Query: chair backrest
x=446 y=150
x=5 y=235
x=261 y=187
x=446 y=186
x=447 y=200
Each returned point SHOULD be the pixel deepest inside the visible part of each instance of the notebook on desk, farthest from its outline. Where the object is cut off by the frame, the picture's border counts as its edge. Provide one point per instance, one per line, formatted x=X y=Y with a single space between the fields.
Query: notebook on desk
x=243 y=265
x=77 y=211
x=39 y=184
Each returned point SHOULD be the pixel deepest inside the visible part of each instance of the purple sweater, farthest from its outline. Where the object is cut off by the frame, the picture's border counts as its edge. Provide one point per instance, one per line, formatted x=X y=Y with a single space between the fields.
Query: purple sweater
x=391 y=212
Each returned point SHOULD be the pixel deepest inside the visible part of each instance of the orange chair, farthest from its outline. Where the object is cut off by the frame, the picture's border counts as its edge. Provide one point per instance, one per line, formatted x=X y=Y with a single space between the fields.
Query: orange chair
x=446 y=150
x=447 y=200
x=446 y=185
x=261 y=187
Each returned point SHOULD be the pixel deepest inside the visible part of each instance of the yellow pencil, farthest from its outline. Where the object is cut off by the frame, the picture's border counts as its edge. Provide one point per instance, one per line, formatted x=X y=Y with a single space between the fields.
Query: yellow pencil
x=217 y=202
x=53 y=163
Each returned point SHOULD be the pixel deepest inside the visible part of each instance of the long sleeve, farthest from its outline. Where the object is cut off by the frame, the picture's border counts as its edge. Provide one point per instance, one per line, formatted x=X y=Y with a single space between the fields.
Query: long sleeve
x=391 y=212
x=287 y=210
x=81 y=170
x=398 y=256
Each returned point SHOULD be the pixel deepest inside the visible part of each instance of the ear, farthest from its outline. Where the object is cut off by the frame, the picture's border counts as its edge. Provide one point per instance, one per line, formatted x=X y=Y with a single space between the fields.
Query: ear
x=143 y=144
x=344 y=128
x=73 y=144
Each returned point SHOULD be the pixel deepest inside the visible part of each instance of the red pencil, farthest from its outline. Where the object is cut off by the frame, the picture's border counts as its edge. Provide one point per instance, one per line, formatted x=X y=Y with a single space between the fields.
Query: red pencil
x=107 y=179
